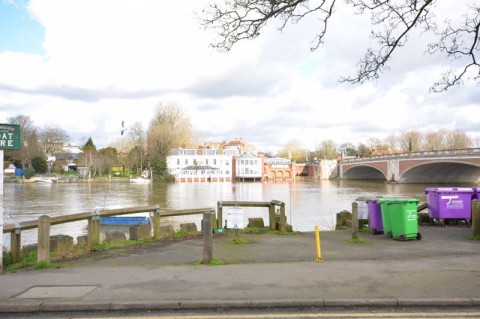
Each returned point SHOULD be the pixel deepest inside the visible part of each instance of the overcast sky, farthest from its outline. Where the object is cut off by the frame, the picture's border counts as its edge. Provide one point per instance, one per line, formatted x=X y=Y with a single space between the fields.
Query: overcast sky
x=87 y=65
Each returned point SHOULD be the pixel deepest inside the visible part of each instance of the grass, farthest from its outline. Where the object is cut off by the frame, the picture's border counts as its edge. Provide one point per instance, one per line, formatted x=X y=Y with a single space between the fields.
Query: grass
x=357 y=240
x=475 y=237
x=27 y=261
x=240 y=241
x=213 y=262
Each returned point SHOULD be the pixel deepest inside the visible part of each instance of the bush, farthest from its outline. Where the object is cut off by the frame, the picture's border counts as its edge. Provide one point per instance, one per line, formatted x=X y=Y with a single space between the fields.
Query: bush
x=28 y=172
x=40 y=165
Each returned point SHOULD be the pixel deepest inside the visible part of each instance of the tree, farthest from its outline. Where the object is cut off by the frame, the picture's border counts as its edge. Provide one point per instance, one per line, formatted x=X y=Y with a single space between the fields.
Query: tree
x=169 y=128
x=348 y=149
x=137 y=155
x=458 y=140
x=326 y=150
x=364 y=150
x=294 y=152
x=392 y=142
x=39 y=164
x=392 y=22
x=434 y=141
x=29 y=146
x=411 y=141
x=89 y=156
x=52 y=140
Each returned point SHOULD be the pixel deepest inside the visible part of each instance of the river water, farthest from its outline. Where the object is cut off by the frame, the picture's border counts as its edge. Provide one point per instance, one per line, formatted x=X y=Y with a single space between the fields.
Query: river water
x=307 y=203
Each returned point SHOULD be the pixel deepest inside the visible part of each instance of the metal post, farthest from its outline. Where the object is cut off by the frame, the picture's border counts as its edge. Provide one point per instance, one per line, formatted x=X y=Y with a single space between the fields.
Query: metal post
x=219 y=214
x=317 y=241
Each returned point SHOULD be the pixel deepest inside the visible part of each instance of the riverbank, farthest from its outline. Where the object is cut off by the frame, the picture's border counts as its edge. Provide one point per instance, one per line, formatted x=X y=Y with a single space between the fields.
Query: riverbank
x=268 y=270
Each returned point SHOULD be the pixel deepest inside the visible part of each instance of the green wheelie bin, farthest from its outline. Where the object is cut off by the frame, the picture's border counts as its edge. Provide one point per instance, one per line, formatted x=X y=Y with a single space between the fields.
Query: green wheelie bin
x=385 y=212
x=403 y=218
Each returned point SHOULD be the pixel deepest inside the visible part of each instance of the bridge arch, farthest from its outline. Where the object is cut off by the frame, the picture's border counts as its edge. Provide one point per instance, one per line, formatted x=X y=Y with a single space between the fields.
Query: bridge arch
x=446 y=171
x=364 y=171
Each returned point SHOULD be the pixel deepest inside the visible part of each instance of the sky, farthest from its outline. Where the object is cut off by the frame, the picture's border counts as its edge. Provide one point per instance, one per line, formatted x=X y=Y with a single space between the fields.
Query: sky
x=87 y=65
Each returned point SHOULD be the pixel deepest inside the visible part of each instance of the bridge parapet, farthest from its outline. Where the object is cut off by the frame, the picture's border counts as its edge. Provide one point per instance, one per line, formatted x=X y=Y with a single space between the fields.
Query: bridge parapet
x=422 y=154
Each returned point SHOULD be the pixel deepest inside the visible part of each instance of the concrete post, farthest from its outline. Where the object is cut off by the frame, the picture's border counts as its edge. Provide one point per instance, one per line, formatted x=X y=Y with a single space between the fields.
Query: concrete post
x=271 y=214
x=283 y=218
x=156 y=226
x=16 y=245
x=207 y=238
x=93 y=231
x=219 y=215
x=475 y=218
x=43 y=248
x=354 y=220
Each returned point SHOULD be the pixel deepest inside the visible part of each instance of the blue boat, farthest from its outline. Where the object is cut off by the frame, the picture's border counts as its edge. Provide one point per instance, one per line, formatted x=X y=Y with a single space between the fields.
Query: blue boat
x=124 y=220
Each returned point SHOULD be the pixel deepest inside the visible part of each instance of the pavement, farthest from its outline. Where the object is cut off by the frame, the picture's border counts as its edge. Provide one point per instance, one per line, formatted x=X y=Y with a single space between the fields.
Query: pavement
x=263 y=271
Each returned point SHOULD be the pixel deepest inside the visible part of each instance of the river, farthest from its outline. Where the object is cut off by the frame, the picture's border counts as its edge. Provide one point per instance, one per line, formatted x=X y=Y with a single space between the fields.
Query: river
x=308 y=203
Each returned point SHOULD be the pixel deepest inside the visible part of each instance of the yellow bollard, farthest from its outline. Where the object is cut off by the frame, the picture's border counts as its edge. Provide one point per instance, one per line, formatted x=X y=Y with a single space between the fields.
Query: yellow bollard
x=317 y=240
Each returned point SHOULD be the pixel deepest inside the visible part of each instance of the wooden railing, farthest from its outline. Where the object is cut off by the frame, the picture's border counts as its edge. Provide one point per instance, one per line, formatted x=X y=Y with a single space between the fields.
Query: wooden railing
x=271 y=209
x=93 y=230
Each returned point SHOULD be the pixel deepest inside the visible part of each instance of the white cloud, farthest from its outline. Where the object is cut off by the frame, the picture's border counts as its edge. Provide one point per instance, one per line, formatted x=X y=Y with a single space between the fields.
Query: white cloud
x=113 y=60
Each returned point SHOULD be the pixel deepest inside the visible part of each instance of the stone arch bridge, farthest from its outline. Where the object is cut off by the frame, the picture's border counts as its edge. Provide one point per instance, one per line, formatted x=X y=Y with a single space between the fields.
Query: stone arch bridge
x=446 y=166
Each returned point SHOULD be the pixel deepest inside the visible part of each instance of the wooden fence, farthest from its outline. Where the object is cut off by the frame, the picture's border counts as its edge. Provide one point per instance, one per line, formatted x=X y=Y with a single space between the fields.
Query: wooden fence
x=93 y=230
x=44 y=223
x=271 y=210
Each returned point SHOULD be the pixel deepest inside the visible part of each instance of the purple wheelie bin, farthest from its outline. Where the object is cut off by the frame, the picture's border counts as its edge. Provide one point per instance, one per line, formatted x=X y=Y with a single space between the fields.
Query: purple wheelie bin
x=374 y=216
x=449 y=204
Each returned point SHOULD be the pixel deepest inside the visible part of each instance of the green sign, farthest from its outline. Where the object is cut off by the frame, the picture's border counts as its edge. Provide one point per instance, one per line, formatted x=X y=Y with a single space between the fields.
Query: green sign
x=9 y=137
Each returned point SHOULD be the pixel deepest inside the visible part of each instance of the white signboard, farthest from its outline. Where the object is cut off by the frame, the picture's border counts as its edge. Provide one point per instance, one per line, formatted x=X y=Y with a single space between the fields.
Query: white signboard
x=235 y=218
x=362 y=210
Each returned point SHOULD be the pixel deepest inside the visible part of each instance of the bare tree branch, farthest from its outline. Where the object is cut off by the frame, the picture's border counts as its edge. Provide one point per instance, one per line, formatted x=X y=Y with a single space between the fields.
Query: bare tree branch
x=392 y=22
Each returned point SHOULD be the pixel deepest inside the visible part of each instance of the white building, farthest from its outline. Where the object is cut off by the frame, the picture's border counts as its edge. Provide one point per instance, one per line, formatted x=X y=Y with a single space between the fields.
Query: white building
x=248 y=166
x=202 y=165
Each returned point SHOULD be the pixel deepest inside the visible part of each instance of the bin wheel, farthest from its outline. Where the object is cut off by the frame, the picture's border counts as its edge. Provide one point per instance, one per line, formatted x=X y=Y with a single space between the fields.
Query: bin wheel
x=389 y=234
x=402 y=237
x=419 y=236
x=467 y=222
x=374 y=231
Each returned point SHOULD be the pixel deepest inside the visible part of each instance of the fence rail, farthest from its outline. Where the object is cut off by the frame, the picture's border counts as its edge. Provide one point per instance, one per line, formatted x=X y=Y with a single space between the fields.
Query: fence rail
x=44 y=223
x=93 y=230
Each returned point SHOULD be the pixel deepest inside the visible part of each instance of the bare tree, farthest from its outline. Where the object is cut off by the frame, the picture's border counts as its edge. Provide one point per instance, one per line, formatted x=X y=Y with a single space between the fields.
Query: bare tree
x=434 y=141
x=138 y=136
x=52 y=140
x=458 y=140
x=392 y=22
x=169 y=128
x=411 y=141
x=29 y=146
x=294 y=152
x=392 y=142
x=327 y=150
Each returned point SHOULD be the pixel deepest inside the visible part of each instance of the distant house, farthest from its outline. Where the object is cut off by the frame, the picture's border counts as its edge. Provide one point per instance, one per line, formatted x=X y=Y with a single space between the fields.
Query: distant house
x=248 y=166
x=201 y=164
x=278 y=169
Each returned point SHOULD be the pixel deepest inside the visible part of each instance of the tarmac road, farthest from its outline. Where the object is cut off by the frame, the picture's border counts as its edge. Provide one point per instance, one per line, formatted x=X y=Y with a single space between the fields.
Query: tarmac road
x=270 y=271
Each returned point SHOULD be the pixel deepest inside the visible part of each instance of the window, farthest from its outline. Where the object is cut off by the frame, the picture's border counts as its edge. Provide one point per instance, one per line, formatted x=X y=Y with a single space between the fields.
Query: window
x=186 y=161
x=214 y=161
x=178 y=161
x=206 y=161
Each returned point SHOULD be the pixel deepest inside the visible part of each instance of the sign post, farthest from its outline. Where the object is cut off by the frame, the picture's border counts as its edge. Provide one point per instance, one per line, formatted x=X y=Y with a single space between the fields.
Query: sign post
x=9 y=140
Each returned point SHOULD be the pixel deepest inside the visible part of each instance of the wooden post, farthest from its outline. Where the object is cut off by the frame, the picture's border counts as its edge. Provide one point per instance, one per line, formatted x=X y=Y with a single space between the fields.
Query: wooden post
x=93 y=236
x=16 y=245
x=220 y=214
x=156 y=225
x=283 y=218
x=271 y=214
x=207 y=238
x=354 y=220
x=43 y=248
x=475 y=218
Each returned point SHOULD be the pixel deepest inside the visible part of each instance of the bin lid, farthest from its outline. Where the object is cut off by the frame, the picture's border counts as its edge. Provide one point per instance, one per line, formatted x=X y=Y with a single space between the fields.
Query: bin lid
x=398 y=201
x=468 y=190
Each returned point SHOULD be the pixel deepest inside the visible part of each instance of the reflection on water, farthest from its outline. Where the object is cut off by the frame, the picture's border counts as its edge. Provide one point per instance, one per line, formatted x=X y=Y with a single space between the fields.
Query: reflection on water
x=307 y=203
